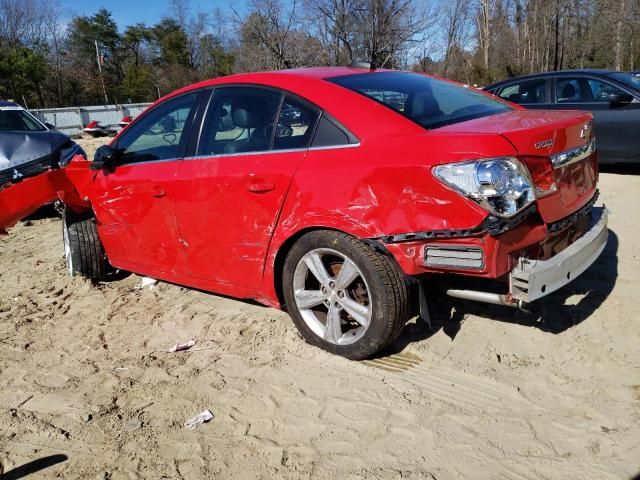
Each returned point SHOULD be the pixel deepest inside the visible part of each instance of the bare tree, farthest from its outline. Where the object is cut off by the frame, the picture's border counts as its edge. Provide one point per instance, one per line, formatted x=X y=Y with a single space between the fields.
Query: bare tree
x=484 y=22
x=269 y=26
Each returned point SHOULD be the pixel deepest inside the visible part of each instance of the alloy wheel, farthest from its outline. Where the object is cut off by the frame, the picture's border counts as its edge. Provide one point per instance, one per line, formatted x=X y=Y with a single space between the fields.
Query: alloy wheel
x=332 y=296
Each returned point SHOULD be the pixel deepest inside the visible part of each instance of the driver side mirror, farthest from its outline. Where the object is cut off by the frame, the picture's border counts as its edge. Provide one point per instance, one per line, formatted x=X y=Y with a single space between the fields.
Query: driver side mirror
x=105 y=158
x=619 y=99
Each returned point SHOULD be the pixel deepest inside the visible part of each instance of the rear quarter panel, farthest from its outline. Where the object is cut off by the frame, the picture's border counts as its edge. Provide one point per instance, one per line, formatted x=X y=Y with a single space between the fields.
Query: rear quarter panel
x=383 y=186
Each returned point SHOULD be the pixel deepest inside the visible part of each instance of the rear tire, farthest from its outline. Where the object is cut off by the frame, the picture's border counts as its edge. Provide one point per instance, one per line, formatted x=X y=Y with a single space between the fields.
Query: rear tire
x=82 y=247
x=343 y=296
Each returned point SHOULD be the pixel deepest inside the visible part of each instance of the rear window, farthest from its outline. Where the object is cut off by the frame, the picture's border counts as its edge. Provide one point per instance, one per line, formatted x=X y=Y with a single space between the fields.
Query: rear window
x=430 y=102
x=14 y=119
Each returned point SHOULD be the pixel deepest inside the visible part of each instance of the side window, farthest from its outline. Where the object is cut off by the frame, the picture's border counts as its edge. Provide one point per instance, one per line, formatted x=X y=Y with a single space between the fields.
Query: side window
x=573 y=90
x=330 y=134
x=295 y=125
x=532 y=91
x=239 y=120
x=601 y=90
x=158 y=134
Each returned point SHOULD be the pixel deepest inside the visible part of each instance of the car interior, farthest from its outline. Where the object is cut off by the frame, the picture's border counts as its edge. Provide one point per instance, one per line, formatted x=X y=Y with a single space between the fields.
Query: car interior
x=245 y=122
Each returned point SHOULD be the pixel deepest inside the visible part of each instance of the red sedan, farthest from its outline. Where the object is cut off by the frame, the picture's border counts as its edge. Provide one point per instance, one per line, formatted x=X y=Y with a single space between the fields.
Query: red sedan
x=333 y=192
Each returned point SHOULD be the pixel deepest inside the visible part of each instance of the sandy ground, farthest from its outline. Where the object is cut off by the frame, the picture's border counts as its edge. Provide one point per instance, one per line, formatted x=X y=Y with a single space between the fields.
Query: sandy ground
x=488 y=393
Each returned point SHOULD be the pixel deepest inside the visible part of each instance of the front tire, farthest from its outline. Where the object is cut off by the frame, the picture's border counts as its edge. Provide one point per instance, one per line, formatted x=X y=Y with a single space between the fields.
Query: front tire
x=82 y=247
x=343 y=296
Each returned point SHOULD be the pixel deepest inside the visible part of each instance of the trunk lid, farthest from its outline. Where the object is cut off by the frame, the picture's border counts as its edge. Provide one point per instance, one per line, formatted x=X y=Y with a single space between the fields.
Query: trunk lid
x=565 y=136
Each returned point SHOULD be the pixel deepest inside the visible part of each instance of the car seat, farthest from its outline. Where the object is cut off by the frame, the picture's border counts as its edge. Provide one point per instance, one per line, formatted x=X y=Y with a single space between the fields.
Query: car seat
x=568 y=93
x=254 y=115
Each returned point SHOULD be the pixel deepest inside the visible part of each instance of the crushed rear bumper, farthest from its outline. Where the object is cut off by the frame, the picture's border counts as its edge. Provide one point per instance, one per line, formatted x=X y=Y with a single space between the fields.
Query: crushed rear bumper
x=531 y=280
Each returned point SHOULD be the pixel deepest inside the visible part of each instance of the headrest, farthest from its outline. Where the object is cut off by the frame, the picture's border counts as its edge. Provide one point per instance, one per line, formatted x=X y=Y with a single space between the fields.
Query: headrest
x=249 y=112
x=168 y=124
x=568 y=91
x=422 y=104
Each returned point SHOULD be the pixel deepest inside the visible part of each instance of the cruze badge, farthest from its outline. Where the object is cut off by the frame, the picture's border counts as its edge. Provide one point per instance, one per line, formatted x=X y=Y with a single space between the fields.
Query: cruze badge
x=545 y=143
x=586 y=130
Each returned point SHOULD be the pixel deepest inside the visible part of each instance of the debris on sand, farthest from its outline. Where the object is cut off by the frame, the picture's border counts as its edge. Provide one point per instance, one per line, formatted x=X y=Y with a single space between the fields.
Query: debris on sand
x=180 y=347
x=199 y=419
x=146 y=282
x=133 y=425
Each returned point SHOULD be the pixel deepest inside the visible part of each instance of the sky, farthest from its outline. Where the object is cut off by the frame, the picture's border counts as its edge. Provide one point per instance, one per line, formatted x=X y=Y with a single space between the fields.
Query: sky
x=129 y=12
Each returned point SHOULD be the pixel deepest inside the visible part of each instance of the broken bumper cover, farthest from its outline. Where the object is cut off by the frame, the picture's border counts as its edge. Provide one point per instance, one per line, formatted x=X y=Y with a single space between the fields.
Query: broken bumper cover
x=533 y=279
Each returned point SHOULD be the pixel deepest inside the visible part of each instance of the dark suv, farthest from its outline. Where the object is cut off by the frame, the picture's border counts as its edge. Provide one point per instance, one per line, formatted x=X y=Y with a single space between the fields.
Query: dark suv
x=612 y=97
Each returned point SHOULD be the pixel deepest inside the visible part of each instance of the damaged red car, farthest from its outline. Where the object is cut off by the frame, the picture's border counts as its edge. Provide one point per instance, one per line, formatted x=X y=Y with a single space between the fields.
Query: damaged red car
x=334 y=193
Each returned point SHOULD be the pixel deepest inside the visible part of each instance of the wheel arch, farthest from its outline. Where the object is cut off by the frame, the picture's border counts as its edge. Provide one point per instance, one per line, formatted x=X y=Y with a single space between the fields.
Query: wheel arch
x=285 y=247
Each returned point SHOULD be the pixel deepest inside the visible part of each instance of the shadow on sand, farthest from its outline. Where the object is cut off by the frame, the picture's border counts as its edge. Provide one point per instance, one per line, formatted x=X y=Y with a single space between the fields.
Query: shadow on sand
x=33 y=467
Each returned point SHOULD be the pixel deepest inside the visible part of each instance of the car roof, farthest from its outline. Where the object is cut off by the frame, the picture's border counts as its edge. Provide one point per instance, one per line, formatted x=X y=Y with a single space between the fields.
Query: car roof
x=318 y=73
x=4 y=103
x=275 y=77
x=588 y=71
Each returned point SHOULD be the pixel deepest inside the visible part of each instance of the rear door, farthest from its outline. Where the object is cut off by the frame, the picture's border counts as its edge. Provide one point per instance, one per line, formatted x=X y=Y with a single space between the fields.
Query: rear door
x=531 y=93
x=615 y=126
x=229 y=195
x=134 y=203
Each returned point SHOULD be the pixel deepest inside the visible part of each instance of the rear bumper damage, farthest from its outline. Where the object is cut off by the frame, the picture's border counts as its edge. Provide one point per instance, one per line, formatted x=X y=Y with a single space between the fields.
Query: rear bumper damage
x=531 y=280
x=514 y=268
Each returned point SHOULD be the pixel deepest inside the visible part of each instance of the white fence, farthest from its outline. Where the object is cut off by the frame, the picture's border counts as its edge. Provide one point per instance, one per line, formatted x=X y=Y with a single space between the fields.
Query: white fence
x=72 y=120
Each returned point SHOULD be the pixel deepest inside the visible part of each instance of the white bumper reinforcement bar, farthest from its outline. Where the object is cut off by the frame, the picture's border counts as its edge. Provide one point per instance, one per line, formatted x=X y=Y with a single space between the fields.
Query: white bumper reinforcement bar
x=533 y=279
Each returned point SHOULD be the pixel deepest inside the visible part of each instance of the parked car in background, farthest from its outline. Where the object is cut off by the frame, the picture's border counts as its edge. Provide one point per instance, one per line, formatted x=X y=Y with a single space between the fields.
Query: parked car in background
x=395 y=177
x=28 y=146
x=612 y=97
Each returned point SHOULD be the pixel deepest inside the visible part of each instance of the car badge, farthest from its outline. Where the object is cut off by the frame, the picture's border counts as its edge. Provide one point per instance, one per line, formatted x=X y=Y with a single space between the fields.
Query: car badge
x=545 y=143
x=586 y=130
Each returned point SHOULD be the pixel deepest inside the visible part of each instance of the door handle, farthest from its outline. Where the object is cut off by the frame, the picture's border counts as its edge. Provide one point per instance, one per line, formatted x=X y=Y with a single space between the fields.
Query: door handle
x=158 y=192
x=260 y=187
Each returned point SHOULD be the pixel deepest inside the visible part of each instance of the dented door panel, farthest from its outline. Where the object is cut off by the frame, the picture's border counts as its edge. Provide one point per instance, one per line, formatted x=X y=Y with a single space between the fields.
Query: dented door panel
x=134 y=210
x=227 y=208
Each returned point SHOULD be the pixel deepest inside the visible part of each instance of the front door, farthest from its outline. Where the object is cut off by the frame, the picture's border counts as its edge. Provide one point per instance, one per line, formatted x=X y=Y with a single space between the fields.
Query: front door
x=229 y=196
x=133 y=203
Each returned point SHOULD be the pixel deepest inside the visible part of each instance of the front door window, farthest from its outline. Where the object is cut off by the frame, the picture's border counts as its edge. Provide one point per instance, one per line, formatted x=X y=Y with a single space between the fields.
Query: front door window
x=158 y=135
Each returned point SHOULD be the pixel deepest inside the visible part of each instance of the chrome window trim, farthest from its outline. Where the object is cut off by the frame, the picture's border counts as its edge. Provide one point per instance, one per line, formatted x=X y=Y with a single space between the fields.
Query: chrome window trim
x=574 y=155
x=223 y=155
x=271 y=152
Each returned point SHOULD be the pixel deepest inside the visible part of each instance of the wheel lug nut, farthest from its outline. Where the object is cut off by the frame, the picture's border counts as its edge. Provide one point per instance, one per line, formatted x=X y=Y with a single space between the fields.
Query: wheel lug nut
x=332 y=284
x=337 y=305
x=341 y=294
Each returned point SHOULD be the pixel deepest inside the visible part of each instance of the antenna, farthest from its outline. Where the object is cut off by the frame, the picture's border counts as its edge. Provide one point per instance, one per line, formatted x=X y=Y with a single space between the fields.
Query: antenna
x=361 y=64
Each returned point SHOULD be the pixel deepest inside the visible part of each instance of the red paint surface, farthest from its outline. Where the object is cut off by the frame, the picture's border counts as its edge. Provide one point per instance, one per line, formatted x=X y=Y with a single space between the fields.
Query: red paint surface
x=212 y=223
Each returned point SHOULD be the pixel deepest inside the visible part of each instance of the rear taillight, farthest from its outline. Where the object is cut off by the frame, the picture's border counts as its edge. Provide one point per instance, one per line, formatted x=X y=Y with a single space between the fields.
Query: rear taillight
x=542 y=174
